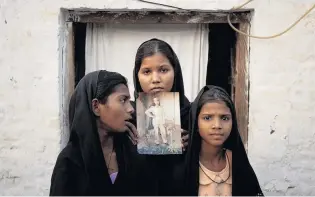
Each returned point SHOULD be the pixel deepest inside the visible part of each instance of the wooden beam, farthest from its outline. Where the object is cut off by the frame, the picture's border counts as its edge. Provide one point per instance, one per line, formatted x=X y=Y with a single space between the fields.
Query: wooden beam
x=241 y=82
x=67 y=77
x=155 y=16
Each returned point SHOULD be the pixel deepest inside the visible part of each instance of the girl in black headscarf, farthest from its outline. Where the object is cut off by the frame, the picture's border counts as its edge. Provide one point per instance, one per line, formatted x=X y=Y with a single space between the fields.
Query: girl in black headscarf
x=157 y=56
x=209 y=168
x=97 y=160
x=157 y=69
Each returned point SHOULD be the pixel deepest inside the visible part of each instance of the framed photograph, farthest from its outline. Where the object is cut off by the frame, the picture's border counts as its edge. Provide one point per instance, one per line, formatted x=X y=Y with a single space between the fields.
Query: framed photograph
x=158 y=123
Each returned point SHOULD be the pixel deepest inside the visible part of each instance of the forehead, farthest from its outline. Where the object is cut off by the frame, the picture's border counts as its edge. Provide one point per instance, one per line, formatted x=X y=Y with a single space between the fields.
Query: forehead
x=121 y=89
x=157 y=59
x=215 y=107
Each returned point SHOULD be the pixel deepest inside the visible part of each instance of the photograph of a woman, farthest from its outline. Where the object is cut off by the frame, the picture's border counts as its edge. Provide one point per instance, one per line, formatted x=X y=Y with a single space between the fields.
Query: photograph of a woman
x=158 y=123
x=156 y=112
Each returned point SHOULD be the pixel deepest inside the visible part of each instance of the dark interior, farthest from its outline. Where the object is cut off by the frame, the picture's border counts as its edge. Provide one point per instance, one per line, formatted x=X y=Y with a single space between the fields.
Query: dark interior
x=222 y=40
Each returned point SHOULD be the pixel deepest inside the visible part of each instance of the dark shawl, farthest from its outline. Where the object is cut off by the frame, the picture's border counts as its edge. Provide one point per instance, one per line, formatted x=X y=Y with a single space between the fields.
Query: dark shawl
x=81 y=168
x=161 y=167
x=244 y=180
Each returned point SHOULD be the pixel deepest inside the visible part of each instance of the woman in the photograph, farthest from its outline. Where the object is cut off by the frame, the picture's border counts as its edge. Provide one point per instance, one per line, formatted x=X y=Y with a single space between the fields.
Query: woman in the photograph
x=156 y=112
x=217 y=164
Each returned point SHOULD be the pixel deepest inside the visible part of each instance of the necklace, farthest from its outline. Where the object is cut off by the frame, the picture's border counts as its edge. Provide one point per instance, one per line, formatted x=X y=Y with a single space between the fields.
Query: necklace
x=217 y=188
x=222 y=181
x=110 y=158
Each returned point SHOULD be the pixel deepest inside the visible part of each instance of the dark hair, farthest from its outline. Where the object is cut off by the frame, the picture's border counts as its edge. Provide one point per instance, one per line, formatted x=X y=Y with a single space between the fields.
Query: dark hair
x=150 y=48
x=214 y=95
x=107 y=83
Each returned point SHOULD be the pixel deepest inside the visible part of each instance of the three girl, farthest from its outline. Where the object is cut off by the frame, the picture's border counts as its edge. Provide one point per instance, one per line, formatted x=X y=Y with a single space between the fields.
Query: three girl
x=100 y=160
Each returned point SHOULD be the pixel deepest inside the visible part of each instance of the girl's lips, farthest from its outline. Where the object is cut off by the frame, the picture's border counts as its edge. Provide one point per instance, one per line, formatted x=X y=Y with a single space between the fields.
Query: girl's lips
x=157 y=89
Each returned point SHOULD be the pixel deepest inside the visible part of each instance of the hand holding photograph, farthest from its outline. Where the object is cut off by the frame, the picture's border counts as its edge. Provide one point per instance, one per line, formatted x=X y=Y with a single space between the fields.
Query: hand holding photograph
x=158 y=123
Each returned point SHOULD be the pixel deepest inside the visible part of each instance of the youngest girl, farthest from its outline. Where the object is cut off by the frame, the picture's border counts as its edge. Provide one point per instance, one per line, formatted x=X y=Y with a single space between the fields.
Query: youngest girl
x=216 y=163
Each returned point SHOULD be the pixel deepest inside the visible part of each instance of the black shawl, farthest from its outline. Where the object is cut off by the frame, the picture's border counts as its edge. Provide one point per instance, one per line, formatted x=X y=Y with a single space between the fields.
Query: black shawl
x=244 y=180
x=161 y=167
x=81 y=168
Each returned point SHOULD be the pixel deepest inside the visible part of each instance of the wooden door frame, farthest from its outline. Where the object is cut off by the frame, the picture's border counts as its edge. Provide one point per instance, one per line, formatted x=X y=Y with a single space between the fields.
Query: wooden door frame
x=240 y=75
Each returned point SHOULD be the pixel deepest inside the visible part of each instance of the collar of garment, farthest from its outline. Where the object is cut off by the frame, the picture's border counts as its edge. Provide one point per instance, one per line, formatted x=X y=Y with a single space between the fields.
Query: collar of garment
x=216 y=176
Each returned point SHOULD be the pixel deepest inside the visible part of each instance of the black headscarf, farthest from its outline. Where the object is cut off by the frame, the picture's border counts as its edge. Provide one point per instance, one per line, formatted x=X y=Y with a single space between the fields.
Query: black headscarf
x=161 y=167
x=178 y=85
x=244 y=180
x=81 y=168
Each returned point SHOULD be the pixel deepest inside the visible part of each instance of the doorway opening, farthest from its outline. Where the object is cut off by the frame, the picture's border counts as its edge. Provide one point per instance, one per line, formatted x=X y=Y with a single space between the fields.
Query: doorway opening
x=227 y=57
x=222 y=41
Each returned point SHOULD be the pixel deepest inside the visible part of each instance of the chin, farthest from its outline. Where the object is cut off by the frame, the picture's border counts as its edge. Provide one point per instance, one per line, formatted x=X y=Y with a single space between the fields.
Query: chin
x=216 y=143
x=122 y=129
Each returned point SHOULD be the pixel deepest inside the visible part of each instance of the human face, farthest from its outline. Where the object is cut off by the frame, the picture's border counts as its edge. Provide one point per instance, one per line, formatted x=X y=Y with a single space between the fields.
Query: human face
x=156 y=74
x=215 y=123
x=156 y=101
x=117 y=109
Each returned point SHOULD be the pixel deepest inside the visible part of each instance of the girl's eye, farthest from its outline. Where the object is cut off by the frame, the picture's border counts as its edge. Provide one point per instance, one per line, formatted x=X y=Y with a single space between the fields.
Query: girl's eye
x=164 y=70
x=225 y=118
x=207 y=118
x=146 y=72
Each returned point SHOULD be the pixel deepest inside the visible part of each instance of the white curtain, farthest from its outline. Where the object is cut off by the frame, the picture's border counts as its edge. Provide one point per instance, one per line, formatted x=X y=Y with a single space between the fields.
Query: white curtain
x=113 y=47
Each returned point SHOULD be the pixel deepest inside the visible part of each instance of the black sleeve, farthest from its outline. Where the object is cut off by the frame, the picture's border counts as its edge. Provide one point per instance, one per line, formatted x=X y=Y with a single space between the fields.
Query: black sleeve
x=179 y=181
x=67 y=179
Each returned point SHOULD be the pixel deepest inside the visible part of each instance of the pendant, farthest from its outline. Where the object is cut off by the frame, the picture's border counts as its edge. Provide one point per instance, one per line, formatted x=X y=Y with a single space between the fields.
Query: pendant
x=221 y=180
